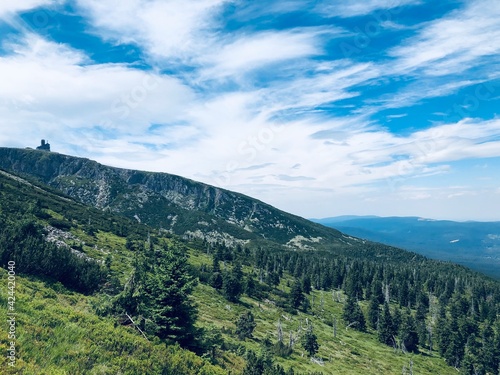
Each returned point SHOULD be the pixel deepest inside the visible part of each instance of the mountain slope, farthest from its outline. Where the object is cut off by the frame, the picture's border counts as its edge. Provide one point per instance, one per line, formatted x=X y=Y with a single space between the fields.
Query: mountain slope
x=74 y=333
x=65 y=332
x=473 y=244
x=174 y=203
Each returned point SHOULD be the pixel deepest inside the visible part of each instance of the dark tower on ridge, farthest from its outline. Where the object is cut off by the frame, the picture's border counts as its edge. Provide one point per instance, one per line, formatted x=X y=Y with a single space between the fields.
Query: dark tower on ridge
x=44 y=146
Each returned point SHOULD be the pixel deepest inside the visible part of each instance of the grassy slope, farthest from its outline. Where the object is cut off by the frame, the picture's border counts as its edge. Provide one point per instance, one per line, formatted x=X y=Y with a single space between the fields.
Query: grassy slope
x=351 y=352
x=60 y=333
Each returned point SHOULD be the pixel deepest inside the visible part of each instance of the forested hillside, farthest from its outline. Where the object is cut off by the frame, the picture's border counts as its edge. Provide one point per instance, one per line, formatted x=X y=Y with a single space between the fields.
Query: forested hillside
x=100 y=293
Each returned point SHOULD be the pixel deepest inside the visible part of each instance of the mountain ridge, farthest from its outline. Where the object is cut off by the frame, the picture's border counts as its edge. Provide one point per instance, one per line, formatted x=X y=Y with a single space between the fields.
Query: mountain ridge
x=219 y=214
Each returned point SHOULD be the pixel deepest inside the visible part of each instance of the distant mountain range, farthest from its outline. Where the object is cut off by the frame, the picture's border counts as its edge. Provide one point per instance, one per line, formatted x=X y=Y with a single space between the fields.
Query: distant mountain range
x=473 y=244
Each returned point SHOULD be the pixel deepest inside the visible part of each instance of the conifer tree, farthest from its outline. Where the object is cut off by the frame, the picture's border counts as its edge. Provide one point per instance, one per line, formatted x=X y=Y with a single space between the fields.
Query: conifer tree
x=250 y=287
x=488 y=351
x=245 y=325
x=408 y=332
x=255 y=364
x=310 y=342
x=296 y=295
x=353 y=315
x=231 y=286
x=306 y=284
x=159 y=292
x=373 y=312
x=386 y=331
x=216 y=278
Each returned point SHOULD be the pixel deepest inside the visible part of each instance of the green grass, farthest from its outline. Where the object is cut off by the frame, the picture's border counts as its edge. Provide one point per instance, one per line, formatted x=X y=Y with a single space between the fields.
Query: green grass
x=351 y=352
x=58 y=333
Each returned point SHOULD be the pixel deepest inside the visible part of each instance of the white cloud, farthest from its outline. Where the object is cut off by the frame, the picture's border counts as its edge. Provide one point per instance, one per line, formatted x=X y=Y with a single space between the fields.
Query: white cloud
x=352 y=8
x=10 y=7
x=418 y=92
x=246 y=53
x=52 y=87
x=57 y=91
x=454 y=43
x=171 y=29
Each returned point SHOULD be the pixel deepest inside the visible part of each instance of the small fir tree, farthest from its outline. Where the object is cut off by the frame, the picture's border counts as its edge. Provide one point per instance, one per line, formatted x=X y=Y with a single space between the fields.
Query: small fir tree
x=245 y=325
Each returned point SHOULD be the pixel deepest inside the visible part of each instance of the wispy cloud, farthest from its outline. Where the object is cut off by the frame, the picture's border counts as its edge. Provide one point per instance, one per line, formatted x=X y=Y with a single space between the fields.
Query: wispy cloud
x=352 y=8
x=263 y=108
x=11 y=7
x=455 y=43
x=174 y=29
x=249 y=52
x=50 y=83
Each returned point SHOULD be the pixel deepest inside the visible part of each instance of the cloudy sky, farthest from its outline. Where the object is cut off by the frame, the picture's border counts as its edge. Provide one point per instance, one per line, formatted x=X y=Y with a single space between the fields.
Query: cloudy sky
x=321 y=108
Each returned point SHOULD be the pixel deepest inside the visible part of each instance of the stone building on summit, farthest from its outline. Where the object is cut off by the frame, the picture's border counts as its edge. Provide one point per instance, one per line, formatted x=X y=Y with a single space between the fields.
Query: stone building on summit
x=44 y=146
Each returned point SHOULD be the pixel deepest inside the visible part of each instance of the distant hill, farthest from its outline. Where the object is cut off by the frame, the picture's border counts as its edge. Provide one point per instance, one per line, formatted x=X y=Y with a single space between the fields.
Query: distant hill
x=473 y=244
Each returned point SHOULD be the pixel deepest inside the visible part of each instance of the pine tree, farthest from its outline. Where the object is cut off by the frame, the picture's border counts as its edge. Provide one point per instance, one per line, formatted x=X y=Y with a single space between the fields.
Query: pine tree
x=386 y=331
x=255 y=364
x=489 y=352
x=353 y=286
x=377 y=290
x=396 y=318
x=232 y=285
x=296 y=295
x=442 y=331
x=306 y=284
x=216 y=278
x=373 y=312
x=310 y=342
x=353 y=315
x=408 y=332
x=470 y=364
x=245 y=325
x=250 y=287
x=454 y=352
x=159 y=292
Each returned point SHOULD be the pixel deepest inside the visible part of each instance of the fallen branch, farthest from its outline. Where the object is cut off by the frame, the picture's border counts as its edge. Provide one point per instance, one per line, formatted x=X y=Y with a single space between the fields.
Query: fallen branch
x=136 y=326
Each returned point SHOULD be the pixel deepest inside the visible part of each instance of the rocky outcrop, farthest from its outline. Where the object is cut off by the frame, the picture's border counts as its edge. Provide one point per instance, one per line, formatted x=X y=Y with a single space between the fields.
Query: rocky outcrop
x=158 y=198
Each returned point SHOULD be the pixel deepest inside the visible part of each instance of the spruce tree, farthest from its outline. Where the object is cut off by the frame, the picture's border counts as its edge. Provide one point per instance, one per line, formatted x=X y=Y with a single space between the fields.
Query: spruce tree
x=488 y=351
x=232 y=283
x=386 y=331
x=250 y=287
x=373 y=312
x=454 y=352
x=442 y=331
x=245 y=325
x=296 y=295
x=255 y=364
x=216 y=278
x=306 y=284
x=310 y=342
x=353 y=315
x=160 y=293
x=408 y=332
x=231 y=287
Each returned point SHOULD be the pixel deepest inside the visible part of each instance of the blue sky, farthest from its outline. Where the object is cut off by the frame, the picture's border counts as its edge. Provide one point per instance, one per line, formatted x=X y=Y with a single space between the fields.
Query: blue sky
x=320 y=108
